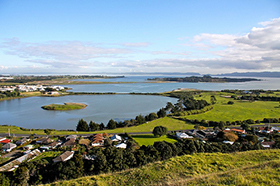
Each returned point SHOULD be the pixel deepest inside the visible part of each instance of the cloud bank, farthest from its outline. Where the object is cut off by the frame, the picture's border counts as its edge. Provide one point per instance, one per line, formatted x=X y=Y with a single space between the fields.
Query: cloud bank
x=257 y=50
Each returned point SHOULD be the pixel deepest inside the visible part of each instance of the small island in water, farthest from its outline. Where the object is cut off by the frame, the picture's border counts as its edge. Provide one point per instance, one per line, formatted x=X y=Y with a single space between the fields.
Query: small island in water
x=65 y=106
x=205 y=78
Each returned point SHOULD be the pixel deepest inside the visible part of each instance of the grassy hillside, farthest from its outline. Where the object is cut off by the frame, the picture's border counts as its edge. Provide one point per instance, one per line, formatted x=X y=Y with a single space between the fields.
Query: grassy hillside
x=242 y=168
x=149 y=139
x=240 y=110
x=170 y=123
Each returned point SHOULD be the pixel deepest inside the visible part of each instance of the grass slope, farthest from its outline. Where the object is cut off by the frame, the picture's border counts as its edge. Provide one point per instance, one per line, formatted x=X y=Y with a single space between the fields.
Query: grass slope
x=170 y=123
x=149 y=139
x=242 y=168
x=240 y=110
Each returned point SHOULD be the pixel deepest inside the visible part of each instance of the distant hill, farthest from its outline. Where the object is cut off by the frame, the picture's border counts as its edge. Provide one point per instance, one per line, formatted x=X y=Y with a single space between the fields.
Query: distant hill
x=252 y=74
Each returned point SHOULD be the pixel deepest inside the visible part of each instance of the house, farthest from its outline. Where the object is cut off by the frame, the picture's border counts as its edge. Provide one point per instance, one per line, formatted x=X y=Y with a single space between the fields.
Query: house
x=54 y=144
x=44 y=141
x=268 y=144
x=97 y=140
x=44 y=148
x=121 y=145
x=28 y=147
x=70 y=143
x=228 y=142
x=64 y=157
x=240 y=131
x=5 y=140
x=8 y=147
x=183 y=135
x=22 y=141
x=71 y=136
x=116 y=138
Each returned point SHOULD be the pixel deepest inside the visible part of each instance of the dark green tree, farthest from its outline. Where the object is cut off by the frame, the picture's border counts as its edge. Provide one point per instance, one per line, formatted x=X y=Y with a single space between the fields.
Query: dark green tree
x=140 y=119
x=82 y=126
x=159 y=131
x=161 y=113
x=112 y=124
x=93 y=126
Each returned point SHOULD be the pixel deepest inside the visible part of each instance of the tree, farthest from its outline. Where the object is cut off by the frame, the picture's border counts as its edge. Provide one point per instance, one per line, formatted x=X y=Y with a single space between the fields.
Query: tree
x=101 y=126
x=93 y=126
x=245 y=126
x=48 y=131
x=112 y=124
x=230 y=137
x=213 y=100
x=159 y=131
x=140 y=119
x=161 y=113
x=152 y=116
x=82 y=126
x=21 y=175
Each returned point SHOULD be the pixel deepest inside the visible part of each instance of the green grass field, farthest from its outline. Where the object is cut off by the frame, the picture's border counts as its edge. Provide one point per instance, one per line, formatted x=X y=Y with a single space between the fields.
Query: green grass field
x=241 y=168
x=170 y=123
x=65 y=106
x=240 y=110
x=149 y=139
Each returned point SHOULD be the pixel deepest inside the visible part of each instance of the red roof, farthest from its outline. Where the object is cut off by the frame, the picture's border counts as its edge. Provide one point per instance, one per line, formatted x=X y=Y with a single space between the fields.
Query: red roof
x=5 y=141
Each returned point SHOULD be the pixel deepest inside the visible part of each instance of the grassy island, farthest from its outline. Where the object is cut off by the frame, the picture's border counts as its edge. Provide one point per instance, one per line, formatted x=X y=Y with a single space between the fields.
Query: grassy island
x=65 y=106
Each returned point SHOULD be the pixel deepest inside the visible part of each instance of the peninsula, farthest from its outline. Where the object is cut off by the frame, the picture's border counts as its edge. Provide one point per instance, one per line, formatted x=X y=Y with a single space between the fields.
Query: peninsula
x=204 y=79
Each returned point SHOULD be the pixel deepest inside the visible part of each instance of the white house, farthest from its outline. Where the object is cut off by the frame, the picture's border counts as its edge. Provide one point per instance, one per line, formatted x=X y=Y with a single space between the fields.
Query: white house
x=116 y=138
x=121 y=145
x=8 y=147
x=182 y=135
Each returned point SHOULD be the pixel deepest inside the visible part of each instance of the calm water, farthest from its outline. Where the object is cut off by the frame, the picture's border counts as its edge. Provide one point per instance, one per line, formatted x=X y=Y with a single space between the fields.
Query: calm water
x=141 y=86
x=27 y=112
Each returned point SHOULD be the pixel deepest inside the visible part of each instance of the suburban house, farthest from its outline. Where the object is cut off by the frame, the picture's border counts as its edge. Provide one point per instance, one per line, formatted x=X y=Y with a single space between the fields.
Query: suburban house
x=121 y=145
x=97 y=140
x=22 y=141
x=8 y=147
x=28 y=147
x=182 y=135
x=116 y=138
x=64 y=157
x=71 y=137
x=44 y=141
x=70 y=143
x=54 y=144
x=5 y=140
x=268 y=144
x=13 y=164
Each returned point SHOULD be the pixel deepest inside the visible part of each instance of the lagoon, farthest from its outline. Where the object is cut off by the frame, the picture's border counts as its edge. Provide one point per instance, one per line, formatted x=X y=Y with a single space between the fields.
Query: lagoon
x=27 y=112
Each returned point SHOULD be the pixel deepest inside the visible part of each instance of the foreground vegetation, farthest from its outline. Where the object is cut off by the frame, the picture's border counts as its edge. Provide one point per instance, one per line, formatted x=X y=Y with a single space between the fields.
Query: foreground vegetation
x=258 y=167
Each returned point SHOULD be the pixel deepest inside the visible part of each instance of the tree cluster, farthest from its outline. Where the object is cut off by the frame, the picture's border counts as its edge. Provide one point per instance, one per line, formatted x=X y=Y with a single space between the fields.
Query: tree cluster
x=111 y=159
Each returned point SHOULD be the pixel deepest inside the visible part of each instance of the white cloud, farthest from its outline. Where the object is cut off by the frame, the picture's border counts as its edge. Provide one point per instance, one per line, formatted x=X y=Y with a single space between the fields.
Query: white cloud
x=143 y=44
x=257 y=50
x=61 y=54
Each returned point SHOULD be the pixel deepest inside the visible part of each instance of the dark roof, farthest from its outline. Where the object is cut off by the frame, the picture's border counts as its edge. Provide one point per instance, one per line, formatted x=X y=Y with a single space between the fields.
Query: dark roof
x=63 y=156
x=70 y=142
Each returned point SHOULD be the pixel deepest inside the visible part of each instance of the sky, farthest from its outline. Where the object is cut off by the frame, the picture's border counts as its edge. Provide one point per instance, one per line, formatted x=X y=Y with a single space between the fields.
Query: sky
x=125 y=36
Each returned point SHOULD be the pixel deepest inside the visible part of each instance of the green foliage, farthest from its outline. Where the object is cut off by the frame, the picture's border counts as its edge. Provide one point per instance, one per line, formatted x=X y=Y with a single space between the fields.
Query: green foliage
x=112 y=124
x=82 y=126
x=159 y=131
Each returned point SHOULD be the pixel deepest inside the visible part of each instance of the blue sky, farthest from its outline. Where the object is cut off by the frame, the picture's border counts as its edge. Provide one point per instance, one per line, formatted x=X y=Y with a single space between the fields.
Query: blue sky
x=118 y=36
